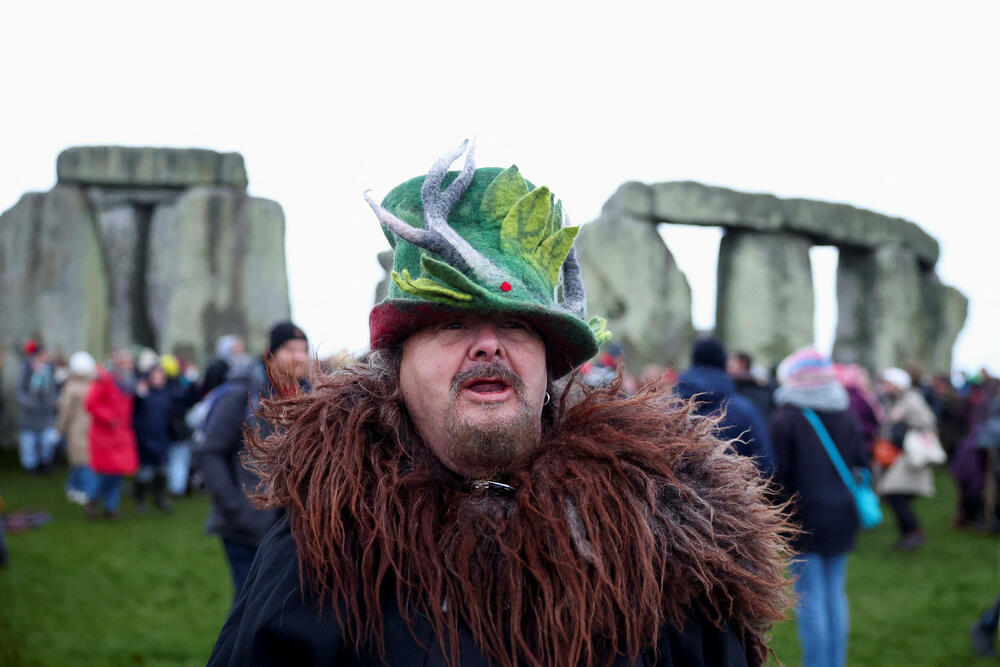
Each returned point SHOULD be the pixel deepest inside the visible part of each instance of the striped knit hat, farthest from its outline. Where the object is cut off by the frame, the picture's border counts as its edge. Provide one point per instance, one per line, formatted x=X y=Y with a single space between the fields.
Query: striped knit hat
x=806 y=368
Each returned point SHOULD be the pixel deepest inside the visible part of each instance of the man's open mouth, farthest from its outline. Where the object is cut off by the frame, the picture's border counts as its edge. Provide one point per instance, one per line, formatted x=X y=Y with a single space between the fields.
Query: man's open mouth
x=487 y=385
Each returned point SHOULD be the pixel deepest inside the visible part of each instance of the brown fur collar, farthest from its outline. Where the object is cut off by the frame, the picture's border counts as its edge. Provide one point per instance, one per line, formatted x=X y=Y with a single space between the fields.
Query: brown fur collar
x=632 y=516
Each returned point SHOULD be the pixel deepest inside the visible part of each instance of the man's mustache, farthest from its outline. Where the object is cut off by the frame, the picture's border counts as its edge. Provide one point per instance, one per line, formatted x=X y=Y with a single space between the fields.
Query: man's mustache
x=486 y=372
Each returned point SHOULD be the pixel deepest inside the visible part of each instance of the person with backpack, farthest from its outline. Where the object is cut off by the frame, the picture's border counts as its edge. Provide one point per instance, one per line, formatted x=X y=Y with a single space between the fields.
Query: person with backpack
x=821 y=503
x=219 y=448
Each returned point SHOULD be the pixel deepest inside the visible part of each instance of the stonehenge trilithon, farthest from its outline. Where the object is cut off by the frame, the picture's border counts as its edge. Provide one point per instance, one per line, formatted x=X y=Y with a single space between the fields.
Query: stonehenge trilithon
x=140 y=246
x=892 y=308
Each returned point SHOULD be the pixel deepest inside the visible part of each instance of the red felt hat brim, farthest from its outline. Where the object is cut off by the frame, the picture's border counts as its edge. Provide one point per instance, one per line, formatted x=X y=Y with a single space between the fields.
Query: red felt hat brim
x=569 y=342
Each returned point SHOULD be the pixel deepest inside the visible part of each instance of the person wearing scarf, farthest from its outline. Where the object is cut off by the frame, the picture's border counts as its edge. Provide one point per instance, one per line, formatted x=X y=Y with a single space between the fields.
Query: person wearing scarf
x=821 y=504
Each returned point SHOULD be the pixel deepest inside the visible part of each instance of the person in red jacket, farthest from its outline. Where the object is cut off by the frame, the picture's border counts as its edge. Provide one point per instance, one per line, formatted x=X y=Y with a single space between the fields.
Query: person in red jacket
x=113 y=452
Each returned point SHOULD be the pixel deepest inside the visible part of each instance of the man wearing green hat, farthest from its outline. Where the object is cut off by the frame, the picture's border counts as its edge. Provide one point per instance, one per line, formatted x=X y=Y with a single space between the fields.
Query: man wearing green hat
x=452 y=500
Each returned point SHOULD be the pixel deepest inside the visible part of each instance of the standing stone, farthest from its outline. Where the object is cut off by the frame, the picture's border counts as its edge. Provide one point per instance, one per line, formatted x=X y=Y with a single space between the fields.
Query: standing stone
x=216 y=266
x=880 y=321
x=765 y=294
x=382 y=288
x=54 y=288
x=634 y=282
x=52 y=273
x=118 y=231
x=945 y=311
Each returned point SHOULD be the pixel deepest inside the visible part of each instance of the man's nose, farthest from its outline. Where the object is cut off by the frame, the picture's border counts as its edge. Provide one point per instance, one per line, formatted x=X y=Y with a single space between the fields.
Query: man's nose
x=486 y=345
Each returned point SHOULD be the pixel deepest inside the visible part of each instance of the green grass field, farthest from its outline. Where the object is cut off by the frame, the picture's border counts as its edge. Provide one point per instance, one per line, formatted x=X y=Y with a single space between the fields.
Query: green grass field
x=154 y=589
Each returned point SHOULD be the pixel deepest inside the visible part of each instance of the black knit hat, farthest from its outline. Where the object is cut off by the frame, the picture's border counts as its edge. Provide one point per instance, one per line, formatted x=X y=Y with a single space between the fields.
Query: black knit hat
x=281 y=333
x=709 y=352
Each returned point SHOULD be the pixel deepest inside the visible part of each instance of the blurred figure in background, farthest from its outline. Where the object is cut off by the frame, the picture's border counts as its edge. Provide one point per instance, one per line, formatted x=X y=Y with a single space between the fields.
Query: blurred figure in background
x=230 y=350
x=821 y=502
x=909 y=475
x=183 y=391
x=151 y=420
x=73 y=422
x=947 y=407
x=219 y=456
x=864 y=404
x=751 y=382
x=708 y=383
x=37 y=397
x=112 y=441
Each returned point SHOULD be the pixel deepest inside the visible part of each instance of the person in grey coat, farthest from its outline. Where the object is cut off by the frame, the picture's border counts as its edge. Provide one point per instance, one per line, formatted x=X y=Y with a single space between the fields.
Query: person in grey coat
x=37 y=399
x=219 y=456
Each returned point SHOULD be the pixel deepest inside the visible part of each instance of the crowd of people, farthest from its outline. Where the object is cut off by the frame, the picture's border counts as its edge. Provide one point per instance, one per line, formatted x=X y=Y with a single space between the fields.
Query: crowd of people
x=143 y=415
x=891 y=431
x=154 y=418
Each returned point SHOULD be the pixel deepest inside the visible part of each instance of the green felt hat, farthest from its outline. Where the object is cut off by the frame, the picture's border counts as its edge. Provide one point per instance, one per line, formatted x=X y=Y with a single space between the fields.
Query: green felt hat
x=488 y=242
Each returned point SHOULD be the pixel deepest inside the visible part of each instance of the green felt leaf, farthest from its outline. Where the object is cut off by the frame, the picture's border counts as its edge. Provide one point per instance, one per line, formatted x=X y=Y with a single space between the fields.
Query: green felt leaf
x=501 y=195
x=599 y=326
x=450 y=276
x=552 y=252
x=556 y=217
x=525 y=226
x=428 y=289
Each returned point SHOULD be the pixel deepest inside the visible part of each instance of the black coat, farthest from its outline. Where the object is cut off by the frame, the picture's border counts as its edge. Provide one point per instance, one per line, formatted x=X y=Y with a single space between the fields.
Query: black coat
x=151 y=421
x=822 y=505
x=272 y=623
x=219 y=461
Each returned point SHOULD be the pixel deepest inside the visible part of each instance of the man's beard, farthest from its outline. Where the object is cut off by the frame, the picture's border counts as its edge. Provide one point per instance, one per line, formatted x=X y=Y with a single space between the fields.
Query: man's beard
x=497 y=445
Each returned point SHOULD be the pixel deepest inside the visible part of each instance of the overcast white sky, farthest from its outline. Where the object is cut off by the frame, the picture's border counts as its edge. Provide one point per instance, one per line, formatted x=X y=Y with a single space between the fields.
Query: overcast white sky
x=891 y=106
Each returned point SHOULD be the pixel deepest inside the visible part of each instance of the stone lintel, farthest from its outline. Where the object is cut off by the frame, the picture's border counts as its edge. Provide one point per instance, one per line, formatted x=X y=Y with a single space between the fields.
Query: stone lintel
x=825 y=223
x=150 y=167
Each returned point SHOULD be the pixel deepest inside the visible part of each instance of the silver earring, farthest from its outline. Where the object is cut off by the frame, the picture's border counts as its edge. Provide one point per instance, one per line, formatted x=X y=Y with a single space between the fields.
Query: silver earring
x=547 y=399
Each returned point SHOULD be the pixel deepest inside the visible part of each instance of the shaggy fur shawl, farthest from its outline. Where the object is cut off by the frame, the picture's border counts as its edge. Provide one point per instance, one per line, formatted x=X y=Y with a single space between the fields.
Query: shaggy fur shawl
x=631 y=516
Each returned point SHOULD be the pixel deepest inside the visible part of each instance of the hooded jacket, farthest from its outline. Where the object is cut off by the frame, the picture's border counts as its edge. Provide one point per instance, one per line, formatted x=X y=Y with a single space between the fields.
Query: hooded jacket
x=219 y=459
x=112 y=440
x=716 y=394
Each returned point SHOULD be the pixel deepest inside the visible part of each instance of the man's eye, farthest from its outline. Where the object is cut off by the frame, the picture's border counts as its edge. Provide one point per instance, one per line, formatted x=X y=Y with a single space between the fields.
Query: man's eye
x=452 y=325
x=514 y=324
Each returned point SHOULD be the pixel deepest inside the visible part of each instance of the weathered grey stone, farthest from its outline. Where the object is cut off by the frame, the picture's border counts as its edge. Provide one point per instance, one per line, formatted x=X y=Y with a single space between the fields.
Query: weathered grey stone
x=633 y=281
x=118 y=231
x=54 y=288
x=880 y=321
x=382 y=288
x=216 y=266
x=691 y=203
x=52 y=273
x=765 y=297
x=150 y=167
x=944 y=310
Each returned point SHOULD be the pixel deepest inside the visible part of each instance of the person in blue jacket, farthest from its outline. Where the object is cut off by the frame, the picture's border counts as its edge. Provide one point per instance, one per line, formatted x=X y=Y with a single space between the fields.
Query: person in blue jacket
x=741 y=422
